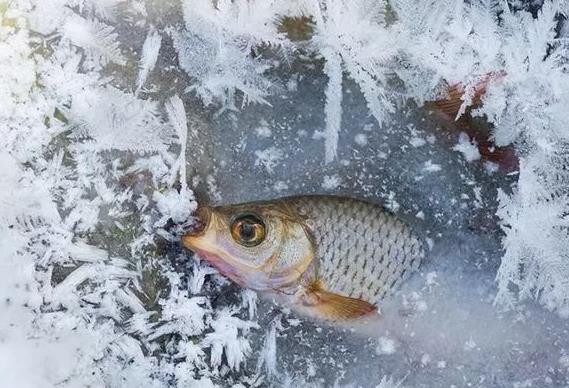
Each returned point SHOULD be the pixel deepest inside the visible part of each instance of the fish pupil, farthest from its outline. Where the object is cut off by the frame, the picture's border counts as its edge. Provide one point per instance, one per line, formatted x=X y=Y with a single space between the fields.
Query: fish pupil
x=247 y=231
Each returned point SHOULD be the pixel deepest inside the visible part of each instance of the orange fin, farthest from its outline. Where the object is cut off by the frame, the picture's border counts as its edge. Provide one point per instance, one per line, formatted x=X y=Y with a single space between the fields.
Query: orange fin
x=450 y=106
x=335 y=307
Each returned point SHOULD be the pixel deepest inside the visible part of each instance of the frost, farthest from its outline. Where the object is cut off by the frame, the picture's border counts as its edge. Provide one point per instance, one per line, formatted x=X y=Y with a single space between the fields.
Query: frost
x=177 y=115
x=174 y=205
x=200 y=271
x=391 y=203
x=269 y=351
x=331 y=182
x=333 y=109
x=470 y=345
x=525 y=104
x=263 y=131
x=362 y=51
x=467 y=148
x=388 y=382
x=183 y=315
x=118 y=120
x=385 y=346
x=96 y=154
x=536 y=261
x=431 y=167
x=97 y=39
x=417 y=142
x=269 y=158
x=564 y=361
x=361 y=139
x=149 y=57
x=228 y=339
x=215 y=50
x=249 y=299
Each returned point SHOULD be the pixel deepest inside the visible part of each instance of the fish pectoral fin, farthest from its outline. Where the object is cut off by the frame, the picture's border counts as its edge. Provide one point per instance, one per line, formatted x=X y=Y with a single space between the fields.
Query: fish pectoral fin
x=335 y=307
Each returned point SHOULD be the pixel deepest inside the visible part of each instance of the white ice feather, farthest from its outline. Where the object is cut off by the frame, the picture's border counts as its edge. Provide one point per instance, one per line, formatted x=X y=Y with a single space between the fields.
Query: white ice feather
x=178 y=119
x=99 y=40
x=150 y=50
x=119 y=120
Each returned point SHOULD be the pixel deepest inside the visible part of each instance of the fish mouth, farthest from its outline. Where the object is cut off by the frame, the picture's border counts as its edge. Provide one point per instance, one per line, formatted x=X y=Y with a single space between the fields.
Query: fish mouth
x=232 y=269
x=243 y=274
x=201 y=222
x=189 y=241
x=233 y=272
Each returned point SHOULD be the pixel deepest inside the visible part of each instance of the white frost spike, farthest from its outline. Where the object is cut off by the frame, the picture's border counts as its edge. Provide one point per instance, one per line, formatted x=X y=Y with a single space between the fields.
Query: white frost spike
x=269 y=158
x=333 y=108
x=467 y=147
x=192 y=353
x=215 y=49
x=97 y=39
x=534 y=219
x=388 y=382
x=105 y=9
x=197 y=280
x=83 y=252
x=182 y=315
x=227 y=339
x=178 y=119
x=269 y=352
x=249 y=300
x=364 y=52
x=150 y=51
x=118 y=120
x=175 y=205
x=64 y=292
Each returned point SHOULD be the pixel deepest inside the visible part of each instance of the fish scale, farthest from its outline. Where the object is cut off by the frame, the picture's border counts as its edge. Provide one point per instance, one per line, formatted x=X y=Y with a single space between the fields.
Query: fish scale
x=363 y=251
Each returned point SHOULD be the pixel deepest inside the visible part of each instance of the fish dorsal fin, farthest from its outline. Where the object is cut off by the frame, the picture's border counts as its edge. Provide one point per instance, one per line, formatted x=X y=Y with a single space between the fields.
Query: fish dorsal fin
x=332 y=306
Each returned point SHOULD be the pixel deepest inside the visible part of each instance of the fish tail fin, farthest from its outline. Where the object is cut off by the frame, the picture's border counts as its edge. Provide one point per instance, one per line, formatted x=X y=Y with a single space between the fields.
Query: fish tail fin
x=451 y=107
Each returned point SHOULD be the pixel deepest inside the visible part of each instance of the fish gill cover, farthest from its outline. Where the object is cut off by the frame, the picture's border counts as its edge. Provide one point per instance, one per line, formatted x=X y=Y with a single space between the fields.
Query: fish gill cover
x=112 y=112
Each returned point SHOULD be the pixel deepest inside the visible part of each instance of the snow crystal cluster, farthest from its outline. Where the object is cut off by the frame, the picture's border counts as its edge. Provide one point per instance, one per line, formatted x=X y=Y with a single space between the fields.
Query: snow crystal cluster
x=96 y=140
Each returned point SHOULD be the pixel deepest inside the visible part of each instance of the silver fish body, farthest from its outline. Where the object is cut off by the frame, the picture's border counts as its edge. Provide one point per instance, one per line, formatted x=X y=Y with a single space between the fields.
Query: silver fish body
x=363 y=251
x=332 y=257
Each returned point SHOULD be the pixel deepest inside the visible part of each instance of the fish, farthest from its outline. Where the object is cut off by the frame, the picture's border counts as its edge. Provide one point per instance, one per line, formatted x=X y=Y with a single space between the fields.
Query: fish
x=449 y=107
x=328 y=257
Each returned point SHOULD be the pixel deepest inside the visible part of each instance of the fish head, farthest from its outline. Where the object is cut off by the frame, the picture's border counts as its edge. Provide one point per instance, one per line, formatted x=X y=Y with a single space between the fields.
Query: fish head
x=263 y=246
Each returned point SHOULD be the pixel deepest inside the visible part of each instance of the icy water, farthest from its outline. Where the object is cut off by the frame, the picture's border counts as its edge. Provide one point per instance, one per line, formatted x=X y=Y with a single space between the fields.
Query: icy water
x=113 y=287
x=441 y=328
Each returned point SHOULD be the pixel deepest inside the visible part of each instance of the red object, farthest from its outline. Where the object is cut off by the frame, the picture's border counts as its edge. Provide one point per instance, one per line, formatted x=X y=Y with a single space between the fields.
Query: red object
x=504 y=157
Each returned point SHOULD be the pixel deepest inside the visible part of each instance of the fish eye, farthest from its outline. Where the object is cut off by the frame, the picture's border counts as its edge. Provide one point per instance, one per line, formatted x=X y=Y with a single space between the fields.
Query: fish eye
x=248 y=230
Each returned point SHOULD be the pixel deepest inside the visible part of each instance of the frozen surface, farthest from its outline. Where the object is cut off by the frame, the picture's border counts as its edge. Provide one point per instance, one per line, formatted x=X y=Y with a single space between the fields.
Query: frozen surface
x=118 y=117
